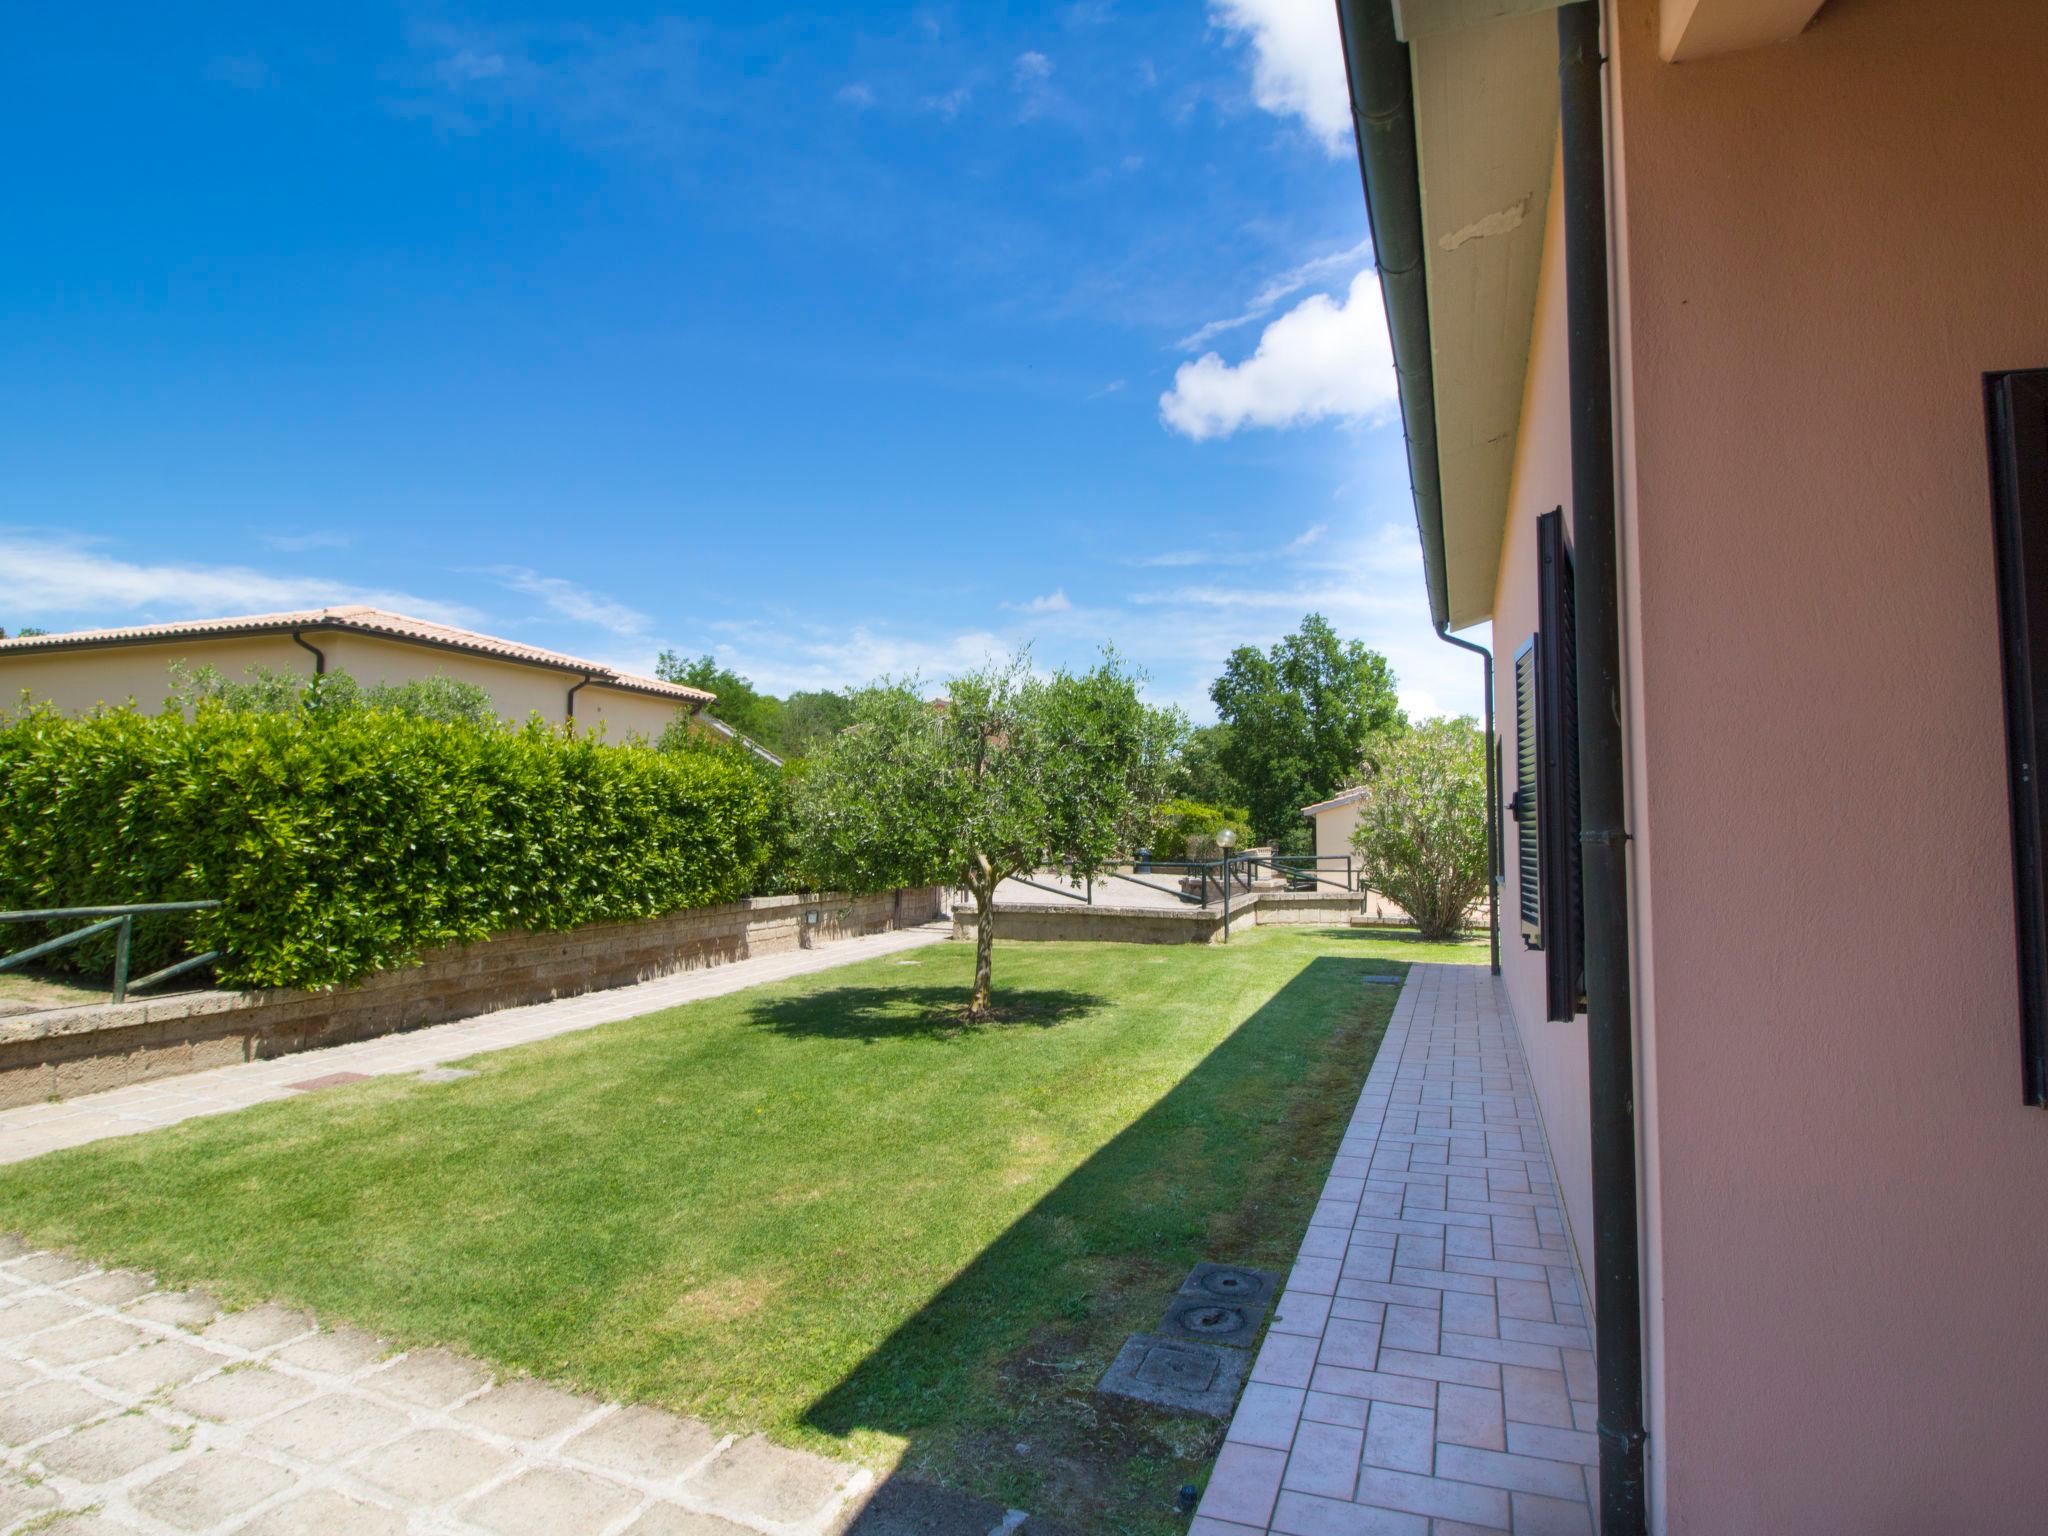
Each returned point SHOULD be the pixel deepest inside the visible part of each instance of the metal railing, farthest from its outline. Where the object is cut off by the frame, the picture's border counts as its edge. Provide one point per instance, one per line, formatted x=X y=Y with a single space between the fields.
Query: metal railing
x=122 y=921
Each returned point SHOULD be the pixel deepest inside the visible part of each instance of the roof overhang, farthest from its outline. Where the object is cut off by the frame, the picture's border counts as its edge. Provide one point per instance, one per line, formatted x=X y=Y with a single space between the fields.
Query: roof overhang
x=1459 y=205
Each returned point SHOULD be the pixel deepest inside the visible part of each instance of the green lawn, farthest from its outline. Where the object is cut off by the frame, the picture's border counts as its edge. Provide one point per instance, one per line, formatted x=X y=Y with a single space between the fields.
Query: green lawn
x=821 y=1208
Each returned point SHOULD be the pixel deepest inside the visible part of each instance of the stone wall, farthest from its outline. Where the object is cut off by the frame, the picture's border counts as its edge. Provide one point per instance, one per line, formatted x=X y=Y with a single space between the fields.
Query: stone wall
x=1069 y=921
x=64 y=1052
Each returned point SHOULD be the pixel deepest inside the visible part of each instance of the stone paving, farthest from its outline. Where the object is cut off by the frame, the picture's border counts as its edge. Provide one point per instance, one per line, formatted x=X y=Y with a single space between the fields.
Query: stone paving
x=1429 y=1370
x=38 y=1128
x=126 y=1410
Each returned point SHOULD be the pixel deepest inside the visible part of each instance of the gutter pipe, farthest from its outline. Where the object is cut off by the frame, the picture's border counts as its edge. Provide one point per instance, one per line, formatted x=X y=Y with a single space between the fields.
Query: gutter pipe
x=578 y=688
x=1492 y=802
x=1603 y=834
x=319 y=657
x=1383 y=118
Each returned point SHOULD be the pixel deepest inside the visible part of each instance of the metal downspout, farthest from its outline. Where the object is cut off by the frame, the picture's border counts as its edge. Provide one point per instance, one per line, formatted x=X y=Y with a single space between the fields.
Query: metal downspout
x=576 y=690
x=319 y=657
x=1492 y=803
x=1603 y=834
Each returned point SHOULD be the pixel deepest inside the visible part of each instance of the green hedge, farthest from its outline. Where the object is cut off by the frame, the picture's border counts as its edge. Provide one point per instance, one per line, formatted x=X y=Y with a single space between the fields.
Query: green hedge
x=346 y=842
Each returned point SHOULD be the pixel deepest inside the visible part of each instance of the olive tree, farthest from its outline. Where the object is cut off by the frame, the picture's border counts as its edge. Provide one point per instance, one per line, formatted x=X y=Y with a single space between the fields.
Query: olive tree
x=1421 y=837
x=1010 y=772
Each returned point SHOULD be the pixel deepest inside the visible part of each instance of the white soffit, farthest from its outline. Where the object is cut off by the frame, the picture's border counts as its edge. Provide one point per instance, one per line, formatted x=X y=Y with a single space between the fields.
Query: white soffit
x=1486 y=133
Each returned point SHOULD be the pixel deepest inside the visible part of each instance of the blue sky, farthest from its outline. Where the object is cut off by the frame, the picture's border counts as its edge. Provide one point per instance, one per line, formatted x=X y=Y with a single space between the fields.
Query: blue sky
x=835 y=342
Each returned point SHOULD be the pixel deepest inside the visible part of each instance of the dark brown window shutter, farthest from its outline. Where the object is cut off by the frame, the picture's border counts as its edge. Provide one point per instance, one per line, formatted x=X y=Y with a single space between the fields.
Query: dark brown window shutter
x=1557 y=770
x=2017 y=407
x=1524 y=807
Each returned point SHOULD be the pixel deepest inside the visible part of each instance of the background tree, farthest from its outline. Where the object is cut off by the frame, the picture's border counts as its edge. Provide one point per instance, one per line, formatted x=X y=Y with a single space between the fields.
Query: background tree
x=1198 y=772
x=1011 y=772
x=810 y=719
x=1301 y=718
x=739 y=704
x=1421 y=837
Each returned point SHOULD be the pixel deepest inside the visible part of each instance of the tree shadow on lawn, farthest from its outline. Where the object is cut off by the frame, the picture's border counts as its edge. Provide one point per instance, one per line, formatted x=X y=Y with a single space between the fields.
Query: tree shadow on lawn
x=991 y=1383
x=923 y=1012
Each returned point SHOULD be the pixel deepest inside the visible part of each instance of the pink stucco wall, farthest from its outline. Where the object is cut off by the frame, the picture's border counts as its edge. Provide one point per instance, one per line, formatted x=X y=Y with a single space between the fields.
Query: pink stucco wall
x=1823 y=245
x=1542 y=481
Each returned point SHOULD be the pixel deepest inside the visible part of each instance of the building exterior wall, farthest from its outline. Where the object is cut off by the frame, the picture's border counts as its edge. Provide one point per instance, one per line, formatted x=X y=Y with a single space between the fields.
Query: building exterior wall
x=76 y=681
x=519 y=692
x=1542 y=482
x=1333 y=832
x=1822 y=246
x=79 y=680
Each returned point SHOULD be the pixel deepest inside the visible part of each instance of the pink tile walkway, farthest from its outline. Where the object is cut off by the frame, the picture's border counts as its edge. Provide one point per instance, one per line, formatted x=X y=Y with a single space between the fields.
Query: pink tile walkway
x=1429 y=1370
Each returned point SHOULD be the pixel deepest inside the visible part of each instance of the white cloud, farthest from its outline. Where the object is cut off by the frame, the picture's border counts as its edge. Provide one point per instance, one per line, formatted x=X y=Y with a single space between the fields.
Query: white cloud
x=1286 y=285
x=570 y=601
x=1297 y=62
x=68 y=580
x=1032 y=78
x=1323 y=358
x=1054 y=601
x=948 y=103
x=1032 y=66
x=858 y=94
x=1312 y=534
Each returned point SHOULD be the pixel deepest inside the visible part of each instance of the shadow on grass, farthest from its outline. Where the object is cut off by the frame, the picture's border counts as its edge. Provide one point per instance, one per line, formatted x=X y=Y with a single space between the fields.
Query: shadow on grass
x=1226 y=1166
x=905 y=1013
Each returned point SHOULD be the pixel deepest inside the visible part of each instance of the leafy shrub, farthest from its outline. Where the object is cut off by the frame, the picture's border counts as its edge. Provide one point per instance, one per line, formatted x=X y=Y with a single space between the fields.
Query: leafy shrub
x=269 y=692
x=1186 y=829
x=342 y=842
x=1421 y=837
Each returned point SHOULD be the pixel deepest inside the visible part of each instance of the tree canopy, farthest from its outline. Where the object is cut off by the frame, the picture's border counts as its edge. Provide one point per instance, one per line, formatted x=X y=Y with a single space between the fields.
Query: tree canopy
x=1301 y=718
x=792 y=727
x=1011 y=772
x=1421 y=836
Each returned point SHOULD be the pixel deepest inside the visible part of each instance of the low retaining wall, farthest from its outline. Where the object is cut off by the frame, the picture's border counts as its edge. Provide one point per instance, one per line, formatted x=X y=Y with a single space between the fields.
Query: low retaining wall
x=64 y=1052
x=1068 y=921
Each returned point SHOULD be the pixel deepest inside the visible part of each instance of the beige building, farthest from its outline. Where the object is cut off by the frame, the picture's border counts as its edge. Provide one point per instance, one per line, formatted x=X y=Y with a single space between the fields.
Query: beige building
x=88 y=668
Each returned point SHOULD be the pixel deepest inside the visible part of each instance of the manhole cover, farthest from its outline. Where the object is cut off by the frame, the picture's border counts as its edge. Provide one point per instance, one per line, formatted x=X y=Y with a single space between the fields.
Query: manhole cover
x=1216 y=1322
x=1229 y=1282
x=1171 y=1374
x=1184 y=1370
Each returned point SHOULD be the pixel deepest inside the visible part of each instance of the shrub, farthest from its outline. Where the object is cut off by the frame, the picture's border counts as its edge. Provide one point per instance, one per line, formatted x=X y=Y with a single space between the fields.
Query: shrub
x=270 y=692
x=1421 y=837
x=341 y=842
x=1186 y=829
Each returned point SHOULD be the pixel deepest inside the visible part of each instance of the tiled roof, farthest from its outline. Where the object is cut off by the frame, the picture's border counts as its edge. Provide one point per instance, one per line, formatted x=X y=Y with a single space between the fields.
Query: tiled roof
x=1333 y=802
x=357 y=619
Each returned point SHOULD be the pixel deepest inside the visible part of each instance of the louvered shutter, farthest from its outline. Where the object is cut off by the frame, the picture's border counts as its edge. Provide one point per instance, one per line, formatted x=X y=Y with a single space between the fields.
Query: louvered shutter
x=1557 y=770
x=2017 y=404
x=1528 y=845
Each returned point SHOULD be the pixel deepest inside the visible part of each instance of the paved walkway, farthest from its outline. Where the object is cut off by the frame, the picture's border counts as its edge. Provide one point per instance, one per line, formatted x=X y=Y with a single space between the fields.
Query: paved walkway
x=39 y=1128
x=1429 y=1371
x=130 y=1411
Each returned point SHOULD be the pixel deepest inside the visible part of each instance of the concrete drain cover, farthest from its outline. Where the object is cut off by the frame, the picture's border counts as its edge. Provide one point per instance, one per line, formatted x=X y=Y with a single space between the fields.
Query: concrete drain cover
x=1229 y=1282
x=1383 y=981
x=1213 y=1322
x=1175 y=1374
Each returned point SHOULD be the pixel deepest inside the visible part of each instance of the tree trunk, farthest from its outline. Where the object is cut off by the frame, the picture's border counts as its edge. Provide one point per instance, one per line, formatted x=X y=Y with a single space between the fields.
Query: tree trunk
x=984 y=949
